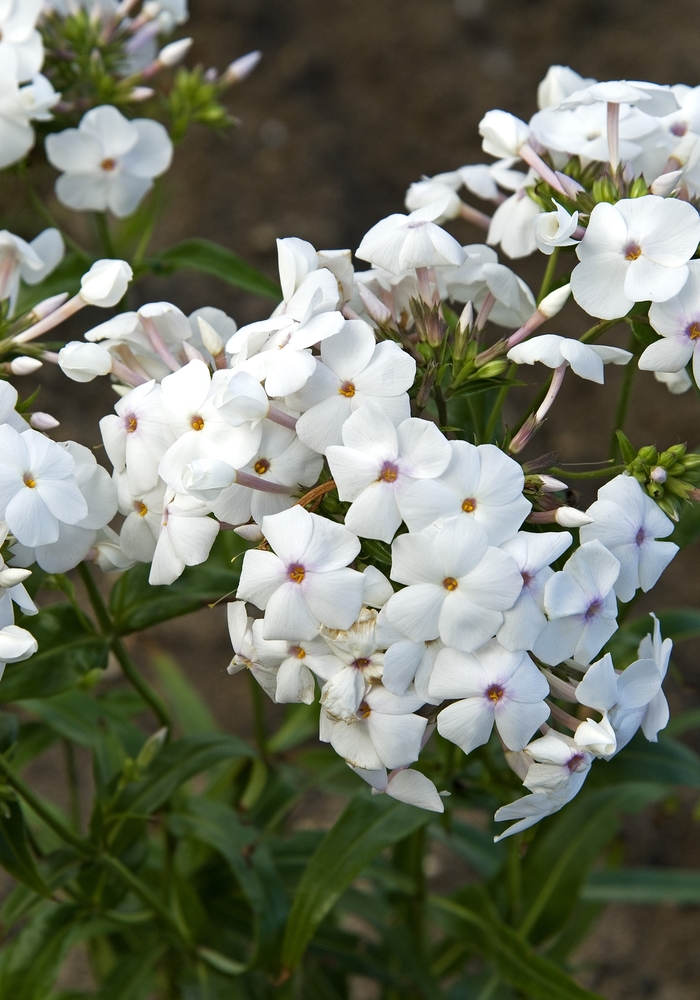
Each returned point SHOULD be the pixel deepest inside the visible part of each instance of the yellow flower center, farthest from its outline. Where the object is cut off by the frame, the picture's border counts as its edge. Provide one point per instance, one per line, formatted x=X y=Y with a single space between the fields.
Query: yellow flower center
x=131 y=425
x=197 y=424
x=469 y=505
x=28 y=481
x=495 y=692
x=261 y=466
x=449 y=583
x=347 y=389
x=141 y=508
x=389 y=473
x=633 y=251
x=364 y=710
x=693 y=331
x=108 y=164
x=296 y=573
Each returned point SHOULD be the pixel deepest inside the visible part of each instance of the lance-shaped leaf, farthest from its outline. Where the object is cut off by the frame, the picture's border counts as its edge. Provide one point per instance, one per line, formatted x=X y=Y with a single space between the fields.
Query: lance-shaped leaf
x=212 y=258
x=15 y=856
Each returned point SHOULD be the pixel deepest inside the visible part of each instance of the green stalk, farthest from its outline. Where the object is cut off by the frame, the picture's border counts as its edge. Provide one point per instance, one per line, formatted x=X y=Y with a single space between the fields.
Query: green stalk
x=548 y=275
x=600 y=328
x=72 y=776
x=609 y=470
x=498 y=406
x=258 y=715
x=625 y=397
x=104 y=235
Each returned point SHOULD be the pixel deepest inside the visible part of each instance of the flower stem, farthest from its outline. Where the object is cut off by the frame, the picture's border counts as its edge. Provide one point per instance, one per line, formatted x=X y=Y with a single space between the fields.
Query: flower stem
x=548 y=275
x=625 y=397
x=600 y=328
x=104 y=235
x=498 y=406
x=608 y=470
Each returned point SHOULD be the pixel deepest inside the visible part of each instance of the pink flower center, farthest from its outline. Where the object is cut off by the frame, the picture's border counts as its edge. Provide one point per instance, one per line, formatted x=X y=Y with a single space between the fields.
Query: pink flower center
x=693 y=330
x=296 y=573
x=593 y=610
x=495 y=693
x=632 y=251
x=389 y=473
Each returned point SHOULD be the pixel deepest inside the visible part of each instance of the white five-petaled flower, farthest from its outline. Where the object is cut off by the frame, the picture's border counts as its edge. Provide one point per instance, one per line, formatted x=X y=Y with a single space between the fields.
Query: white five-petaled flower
x=634 y=251
x=401 y=242
x=378 y=462
x=628 y=522
x=245 y=654
x=457 y=585
x=292 y=664
x=353 y=370
x=493 y=686
x=304 y=582
x=678 y=322
x=585 y=360
x=185 y=539
x=652 y=647
x=581 y=606
x=137 y=436
x=358 y=661
x=384 y=733
x=480 y=483
x=109 y=162
x=555 y=229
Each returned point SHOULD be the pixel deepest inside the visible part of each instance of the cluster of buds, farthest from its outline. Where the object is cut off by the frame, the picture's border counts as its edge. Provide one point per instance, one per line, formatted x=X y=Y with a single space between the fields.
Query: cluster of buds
x=669 y=477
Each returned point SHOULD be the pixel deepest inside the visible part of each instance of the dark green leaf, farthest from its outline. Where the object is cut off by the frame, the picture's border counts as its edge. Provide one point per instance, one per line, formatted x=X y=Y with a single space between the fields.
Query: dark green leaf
x=132 y=976
x=688 y=528
x=74 y=715
x=30 y=964
x=15 y=856
x=515 y=962
x=367 y=826
x=212 y=258
x=228 y=966
x=474 y=846
x=68 y=649
x=187 y=705
x=666 y=762
x=9 y=730
x=643 y=885
x=644 y=333
x=682 y=723
x=627 y=449
x=136 y=605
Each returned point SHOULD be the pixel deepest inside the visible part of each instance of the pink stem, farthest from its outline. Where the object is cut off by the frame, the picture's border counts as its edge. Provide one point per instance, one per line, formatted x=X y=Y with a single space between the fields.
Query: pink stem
x=281 y=418
x=159 y=345
x=253 y=483
x=474 y=216
x=53 y=319
x=483 y=314
x=534 y=160
x=614 y=135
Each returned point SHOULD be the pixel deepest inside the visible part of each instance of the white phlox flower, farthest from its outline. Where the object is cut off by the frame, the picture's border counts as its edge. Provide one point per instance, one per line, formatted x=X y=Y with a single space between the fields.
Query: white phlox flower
x=678 y=322
x=108 y=162
x=559 y=83
x=582 y=131
x=294 y=664
x=137 y=436
x=21 y=45
x=484 y=179
x=457 y=585
x=628 y=522
x=401 y=242
x=533 y=554
x=405 y=785
x=143 y=518
x=105 y=284
x=130 y=337
x=8 y=414
x=19 y=106
x=555 y=229
x=676 y=382
x=245 y=655
x=652 y=98
x=378 y=462
x=585 y=360
x=304 y=581
x=581 y=607
x=358 y=662
x=652 y=647
x=481 y=277
x=503 y=134
x=634 y=251
x=199 y=429
x=107 y=552
x=621 y=698
x=492 y=686
x=31 y=262
x=38 y=488
x=407 y=662
x=12 y=591
x=353 y=370
x=513 y=225
x=186 y=536
x=384 y=733
x=75 y=540
x=480 y=483
x=430 y=189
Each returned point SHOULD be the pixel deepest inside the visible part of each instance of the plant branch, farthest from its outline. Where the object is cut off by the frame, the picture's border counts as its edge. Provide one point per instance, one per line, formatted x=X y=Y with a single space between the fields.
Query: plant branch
x=548 y=275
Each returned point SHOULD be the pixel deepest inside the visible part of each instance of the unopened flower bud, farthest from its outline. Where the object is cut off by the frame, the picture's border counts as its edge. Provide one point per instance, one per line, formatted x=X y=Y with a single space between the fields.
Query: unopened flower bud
x=24 y=365
x=139 y=94
x=43 y=421
x=175 y=52
x=210 y=338
x=569 y=517
x=658 y=474
x=648 y=454
x=571 y=187
x=250 y=532
x=83 y=362
x=493 y=368
x=554 y=302
x=45 y=308
x=374 y=307
x=106 y=282
x=191 y=353
x=11 y=576
x=242 y=67
x=666 y=183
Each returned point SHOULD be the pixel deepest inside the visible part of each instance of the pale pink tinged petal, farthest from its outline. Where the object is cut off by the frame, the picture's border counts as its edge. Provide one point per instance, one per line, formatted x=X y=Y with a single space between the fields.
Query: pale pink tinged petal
x=73 y=151
x=352 y=470
x=596 y=633
x=495 y=583
x=289 y=533
x=522 y=624
x=457 y=675
x=466 y=625
x=29 y=519
x=83 y=192
x=584 y=362
x=594 y=569
x=654 y=558
x=401 y=661
x=467 y=723
x=425 y=449
x=331 y=546
x=672 y=318
x=115 y=134
x=375 y=513
x=415 y=611
x=295 y=683
x=426 y=501
x=462 y=546
x=415 y=560
x=415 y=789
x=597 y=284
x=557 y=641
x=287 y=614
x=656 y=717
x=396 y=738
x=125 y=192
x=370 y=431
x=354 y=745
x=517 y=722
x=668 y=355
x=261 y=574
x=322 y=425
x=349 y=351
x=335 y=598
x=389 y=372
x=63 y=498
x=646 y=280
x=606 y=233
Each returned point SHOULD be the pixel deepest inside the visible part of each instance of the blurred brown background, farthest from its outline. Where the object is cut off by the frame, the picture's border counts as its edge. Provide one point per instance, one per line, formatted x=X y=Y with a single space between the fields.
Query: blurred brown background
x=353 y=100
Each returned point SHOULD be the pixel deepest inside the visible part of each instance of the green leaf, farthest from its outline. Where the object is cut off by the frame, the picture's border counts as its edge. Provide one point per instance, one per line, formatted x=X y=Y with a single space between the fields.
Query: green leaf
x=68 y=649
x=515 y=962
x=132 y=976
x=15 y=856
x=627 y=449
x=643 y=885
x=212 y=258
x=228 y=966
x=682 y=723
x=687 y=530
x=300 y=724
x=185 y=702
x=30 y=964
x=367 y=826
x=176 y=764
x=136 y=605
x=666 y=762
x=474 y=846
x=644 y=333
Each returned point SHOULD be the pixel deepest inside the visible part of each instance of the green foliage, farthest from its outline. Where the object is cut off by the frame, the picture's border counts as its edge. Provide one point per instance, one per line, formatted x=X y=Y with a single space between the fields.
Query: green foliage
x=211 y=258
x=643 y=885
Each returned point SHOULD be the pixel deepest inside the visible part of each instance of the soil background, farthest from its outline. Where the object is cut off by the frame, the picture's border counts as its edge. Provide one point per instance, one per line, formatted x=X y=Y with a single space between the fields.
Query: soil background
x=353 y=100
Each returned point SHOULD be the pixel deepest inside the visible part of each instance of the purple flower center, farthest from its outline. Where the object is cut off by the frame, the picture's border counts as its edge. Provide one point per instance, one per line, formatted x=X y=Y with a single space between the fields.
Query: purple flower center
x=640 y=537
x=594 y=609
x=495 y=693
x=632 y=251
x=389 y=473
x=575 y=763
